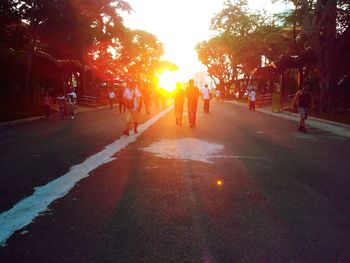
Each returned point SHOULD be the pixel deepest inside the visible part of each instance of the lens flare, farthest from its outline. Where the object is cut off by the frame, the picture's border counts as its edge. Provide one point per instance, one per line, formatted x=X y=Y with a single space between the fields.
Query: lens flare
x=219 y=183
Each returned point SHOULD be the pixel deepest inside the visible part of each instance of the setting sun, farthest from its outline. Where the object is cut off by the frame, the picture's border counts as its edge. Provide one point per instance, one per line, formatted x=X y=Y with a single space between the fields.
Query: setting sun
x=168 y=79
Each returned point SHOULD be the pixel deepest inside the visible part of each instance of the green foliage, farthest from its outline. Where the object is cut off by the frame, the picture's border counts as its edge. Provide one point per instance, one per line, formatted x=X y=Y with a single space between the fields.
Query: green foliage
x=243 y=37
x=217 y=56
x=89 y=31
x=141 y=54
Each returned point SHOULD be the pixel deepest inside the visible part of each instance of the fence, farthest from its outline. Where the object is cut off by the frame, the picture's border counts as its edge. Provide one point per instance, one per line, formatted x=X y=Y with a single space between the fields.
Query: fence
x=87 y=101
x=264 y=100
x=287 y=101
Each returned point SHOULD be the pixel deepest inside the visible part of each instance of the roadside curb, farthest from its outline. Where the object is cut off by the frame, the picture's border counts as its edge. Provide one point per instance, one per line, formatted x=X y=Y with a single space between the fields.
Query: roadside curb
x=325 y=125
x=347 y=126
x=42 y=117
x=19 y=121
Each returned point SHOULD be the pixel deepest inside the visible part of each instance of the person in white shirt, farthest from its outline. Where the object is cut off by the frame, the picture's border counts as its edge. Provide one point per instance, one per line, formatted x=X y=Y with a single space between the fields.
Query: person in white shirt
x=206 y=98
x=131 y=97
x=111 y=96
x=252 y=99
x=217 y=95
x=72 y=97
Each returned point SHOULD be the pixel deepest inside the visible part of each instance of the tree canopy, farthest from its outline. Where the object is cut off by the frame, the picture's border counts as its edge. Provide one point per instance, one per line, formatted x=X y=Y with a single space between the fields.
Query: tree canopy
x=242 y=38
x=314 y=31
x=91 y=32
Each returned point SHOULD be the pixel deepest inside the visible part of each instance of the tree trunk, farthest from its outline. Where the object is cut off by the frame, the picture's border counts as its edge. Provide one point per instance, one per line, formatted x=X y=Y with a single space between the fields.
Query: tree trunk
x=27 y=81
x=300 y=77
x=328 y=58
x=32 y=35
x=213 y=79
x=295 y=46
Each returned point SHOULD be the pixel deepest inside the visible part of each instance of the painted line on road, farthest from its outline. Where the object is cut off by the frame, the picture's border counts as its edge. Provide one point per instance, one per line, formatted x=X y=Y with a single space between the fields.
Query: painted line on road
x=185 y=149
x=237 y=157
x=25 y=211
x=191 y=149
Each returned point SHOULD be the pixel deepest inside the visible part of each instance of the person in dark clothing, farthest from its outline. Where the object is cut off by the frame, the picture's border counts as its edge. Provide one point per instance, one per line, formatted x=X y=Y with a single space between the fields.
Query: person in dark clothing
x=179 y=98
x=147 y=97
x=120 y=98
x=47 y=104
x=302 y=100
x=192 y=93
x=61 y=101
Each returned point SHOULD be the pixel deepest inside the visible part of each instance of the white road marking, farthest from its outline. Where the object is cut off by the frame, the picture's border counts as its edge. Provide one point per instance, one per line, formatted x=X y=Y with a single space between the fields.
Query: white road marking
x=24 y=232
x=189 y=149
x=185 y=149
x=237 y=157
x=25 y=211
x=306 y=136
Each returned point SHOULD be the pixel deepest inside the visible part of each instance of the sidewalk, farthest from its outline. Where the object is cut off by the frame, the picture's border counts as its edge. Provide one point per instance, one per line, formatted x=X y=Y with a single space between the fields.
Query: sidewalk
x=324 y=125
x=55 y=112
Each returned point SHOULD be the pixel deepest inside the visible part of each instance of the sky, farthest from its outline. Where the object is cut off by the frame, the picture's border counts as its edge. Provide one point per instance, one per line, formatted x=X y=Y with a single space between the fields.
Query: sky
x=180 y=25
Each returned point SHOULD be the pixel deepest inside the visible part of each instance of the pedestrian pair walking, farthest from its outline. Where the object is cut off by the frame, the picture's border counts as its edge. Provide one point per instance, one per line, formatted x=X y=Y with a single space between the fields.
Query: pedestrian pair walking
x=192 y=94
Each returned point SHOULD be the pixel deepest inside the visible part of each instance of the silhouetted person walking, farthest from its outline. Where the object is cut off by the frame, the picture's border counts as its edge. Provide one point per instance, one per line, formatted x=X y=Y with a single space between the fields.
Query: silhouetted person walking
x=192 y=93
x=47 y=104
x=179 y=98
x=147 y=97
x=206 y=98
x=120 y=97
x=61 y=101
x=302 y=99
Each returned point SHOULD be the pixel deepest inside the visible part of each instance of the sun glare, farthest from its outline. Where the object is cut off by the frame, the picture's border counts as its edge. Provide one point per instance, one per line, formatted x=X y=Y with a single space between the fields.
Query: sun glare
x=182 y=27
x=167 y=80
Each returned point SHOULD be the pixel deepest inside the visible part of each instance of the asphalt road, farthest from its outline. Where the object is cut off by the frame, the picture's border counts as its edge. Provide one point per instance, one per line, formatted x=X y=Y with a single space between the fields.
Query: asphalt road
x=284 y=195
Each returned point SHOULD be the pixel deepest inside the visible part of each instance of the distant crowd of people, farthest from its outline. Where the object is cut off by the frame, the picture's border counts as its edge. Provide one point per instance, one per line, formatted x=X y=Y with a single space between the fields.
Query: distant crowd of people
x=147 y=95
x=66 y=104
x=131 y=99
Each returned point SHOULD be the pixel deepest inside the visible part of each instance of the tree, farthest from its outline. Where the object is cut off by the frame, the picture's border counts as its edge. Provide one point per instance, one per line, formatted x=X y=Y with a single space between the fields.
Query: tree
x=8 y=18
x=219 y=59
x=141 y=55
x=243 y=38
x=67 y=29
x=324 y=30
x=90 y=30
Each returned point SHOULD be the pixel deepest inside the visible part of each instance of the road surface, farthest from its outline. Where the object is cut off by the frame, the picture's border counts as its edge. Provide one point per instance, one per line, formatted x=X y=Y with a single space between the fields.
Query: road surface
x=240 y=187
